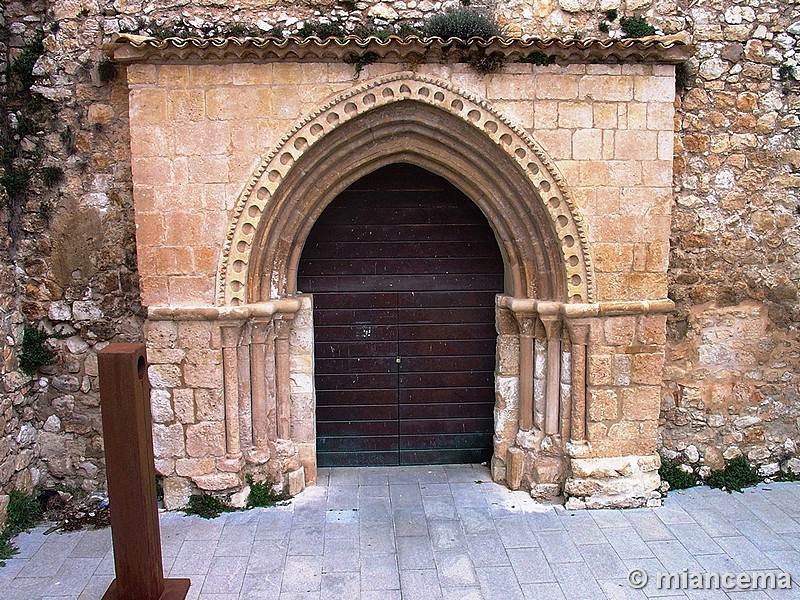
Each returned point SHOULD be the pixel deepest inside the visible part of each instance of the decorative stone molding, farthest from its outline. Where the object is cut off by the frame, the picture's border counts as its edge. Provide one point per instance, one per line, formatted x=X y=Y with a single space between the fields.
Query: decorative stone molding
x=662 y=49
x=254 y=210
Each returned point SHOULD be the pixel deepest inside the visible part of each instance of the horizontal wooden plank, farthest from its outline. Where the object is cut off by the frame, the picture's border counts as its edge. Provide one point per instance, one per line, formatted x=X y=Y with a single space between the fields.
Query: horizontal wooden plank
x=338 y=366
x=380 y=265
x=447 y=379
x=354 y=316
x=451 y=314
x=355 y=349
x=355 y=397
x=411 y=233
x=481 y=248
x=445 y=347
x=417 y=364
x=366 y=300
x=461 y=331
x=407 y=283
x=446 y=299
x=356 y=381
x=358 y=412
x=358 y=459
x=438 y=426
x=355 y=333
x=398 y=208
x=442 y=395
x=447 y=410
x=444 y=457
x=451 y=441
x=375 y=443
x=357 y=428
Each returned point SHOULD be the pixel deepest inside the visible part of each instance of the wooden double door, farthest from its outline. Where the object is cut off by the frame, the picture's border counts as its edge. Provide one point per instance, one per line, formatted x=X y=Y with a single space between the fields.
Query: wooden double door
x=404 y=270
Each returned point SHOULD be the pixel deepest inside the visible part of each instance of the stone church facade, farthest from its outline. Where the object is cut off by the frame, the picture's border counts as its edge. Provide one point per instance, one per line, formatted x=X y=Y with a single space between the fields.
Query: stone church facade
x=642 y=194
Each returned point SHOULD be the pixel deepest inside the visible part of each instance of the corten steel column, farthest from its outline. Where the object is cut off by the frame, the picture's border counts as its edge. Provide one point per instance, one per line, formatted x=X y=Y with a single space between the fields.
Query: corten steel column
x=131 y=476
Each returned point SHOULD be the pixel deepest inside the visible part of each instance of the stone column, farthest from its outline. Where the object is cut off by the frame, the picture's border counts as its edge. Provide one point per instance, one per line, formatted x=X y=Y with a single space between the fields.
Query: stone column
x=527 y=324
x=262 y=362
x=230 y=367
x=552 y=326
x=579 y=338
x=283 y=326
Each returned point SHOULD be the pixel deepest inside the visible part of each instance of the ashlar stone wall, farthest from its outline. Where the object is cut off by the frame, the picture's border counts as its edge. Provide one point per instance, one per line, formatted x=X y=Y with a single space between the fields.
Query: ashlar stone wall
x=199 y=132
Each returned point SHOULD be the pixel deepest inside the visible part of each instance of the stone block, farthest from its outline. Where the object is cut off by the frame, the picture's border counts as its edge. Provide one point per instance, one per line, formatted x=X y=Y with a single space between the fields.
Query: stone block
x=217 y=482
x=203 y=375
x=605 y=115
x=185 y=105
x=194 y=334
x=606 y=88
x=172 y=356
x=4 y=499
x=295 y=481
x=209 y=404
x=192 y=467
x=173 y=76
x=647 y=368
x=587 y=144
x=654 y=89
x=575 y=115
x=600 y=371
x=545 y=115
x=165 y=466
x=641 y=402
x=556 y=87
x=603 y=404
x=556 y=142
x=168 y=440
x=176 y=492
x=183 y=405
x=140 y=74
x=164 y=376
x=161 y=406
x=205 y=439
x=636 y=145
x=621 y=482
x=619 y=331
x=148 y=106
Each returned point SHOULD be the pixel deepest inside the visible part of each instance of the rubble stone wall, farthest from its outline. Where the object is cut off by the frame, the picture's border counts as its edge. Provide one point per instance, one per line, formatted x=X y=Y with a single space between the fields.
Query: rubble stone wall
x=69 y=262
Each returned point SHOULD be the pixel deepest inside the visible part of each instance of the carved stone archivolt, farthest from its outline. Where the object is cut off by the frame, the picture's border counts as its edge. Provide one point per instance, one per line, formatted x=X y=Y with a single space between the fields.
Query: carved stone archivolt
x=432 y=124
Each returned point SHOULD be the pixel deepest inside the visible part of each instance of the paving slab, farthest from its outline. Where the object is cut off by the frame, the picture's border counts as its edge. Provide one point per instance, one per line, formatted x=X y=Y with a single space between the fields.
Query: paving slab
x=438 y=532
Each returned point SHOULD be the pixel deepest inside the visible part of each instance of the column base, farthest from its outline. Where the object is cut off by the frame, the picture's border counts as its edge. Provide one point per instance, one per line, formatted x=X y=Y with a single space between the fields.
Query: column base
x=618 y=482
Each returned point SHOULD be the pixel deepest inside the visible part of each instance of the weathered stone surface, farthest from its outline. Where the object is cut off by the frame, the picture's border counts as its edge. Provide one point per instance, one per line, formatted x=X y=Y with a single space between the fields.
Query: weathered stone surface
x=168 y=441
x=216 y=482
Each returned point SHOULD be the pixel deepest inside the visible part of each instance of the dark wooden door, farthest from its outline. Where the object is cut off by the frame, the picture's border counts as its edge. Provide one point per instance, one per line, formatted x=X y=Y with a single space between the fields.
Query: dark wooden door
x=404 y=269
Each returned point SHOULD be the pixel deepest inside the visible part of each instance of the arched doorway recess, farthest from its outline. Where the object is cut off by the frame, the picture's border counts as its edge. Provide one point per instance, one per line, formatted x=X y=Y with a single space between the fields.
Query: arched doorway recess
x=404 y=270
x=427 y=123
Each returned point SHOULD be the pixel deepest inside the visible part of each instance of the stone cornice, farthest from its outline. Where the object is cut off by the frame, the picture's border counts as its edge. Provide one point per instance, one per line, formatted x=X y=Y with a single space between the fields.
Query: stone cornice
x=224 y=313
x=413 y=50
x=581 y=310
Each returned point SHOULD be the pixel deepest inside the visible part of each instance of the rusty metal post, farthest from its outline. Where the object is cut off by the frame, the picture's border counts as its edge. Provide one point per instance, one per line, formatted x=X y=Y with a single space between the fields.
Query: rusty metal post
x=128 y=439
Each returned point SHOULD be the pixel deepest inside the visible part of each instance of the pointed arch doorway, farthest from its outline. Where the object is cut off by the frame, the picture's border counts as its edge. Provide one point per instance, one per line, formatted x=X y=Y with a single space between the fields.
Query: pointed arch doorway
x=404 y=270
